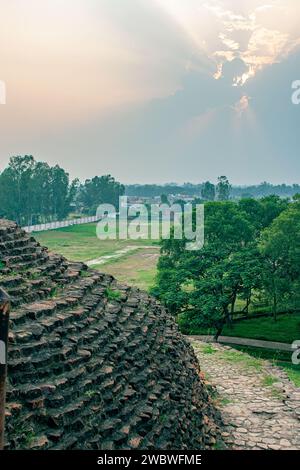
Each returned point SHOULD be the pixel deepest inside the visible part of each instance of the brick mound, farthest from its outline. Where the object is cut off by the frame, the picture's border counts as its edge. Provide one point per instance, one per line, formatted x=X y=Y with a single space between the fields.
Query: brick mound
x=94 y=364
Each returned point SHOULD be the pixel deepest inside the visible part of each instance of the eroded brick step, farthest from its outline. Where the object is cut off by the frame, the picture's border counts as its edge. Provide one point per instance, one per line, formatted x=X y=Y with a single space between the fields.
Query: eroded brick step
x=69 y=297
x=88 y=344
x=40 y=395
x=10 y=281
x=87 y=335
x=17 y=242
x=12 y=233
x=9 y=250
x=23 y=266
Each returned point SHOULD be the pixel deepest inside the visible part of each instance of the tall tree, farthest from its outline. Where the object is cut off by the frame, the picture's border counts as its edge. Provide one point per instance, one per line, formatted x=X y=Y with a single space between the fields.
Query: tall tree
x=203 y=285
x=100 y=190
x=223 y=188
x=16 y=188
x=32 y=192
x=208 y=192
x=164 y=199
x=280 y=246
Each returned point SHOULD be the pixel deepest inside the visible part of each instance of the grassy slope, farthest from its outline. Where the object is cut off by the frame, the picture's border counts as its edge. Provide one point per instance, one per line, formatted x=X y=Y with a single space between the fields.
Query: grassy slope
x=292 y=371
x=285 y=330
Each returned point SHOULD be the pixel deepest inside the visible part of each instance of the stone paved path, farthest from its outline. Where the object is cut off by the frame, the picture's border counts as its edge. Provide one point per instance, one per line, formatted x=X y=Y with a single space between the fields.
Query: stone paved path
x=259 y=405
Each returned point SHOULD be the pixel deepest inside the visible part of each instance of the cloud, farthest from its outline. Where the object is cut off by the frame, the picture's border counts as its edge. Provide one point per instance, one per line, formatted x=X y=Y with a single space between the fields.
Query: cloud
x=242 y=105
x=259 y=33
x=70 y=61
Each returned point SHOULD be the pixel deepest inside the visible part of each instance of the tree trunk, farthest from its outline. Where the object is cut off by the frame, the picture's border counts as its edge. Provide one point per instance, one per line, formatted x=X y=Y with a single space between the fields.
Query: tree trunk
x=228 y=317
x=275 y=306
x=219 y=328
x=248 y=301
x=232 y=306
x=274 y=299
x=218 y=333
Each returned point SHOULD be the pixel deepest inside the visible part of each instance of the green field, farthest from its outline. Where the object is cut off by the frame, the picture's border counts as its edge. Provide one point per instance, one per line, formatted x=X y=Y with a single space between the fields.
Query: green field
x=80 y=243
x=135 y=266
x=285 y=330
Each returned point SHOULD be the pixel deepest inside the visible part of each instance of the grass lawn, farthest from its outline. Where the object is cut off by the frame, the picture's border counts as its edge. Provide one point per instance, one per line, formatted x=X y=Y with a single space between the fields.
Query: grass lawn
x=285 y=330
x=292 y=371
x=137 y=268
x=80 y=243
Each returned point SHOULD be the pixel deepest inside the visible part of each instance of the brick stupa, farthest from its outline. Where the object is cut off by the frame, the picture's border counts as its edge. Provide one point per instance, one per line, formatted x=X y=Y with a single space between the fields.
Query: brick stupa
x=94 y=364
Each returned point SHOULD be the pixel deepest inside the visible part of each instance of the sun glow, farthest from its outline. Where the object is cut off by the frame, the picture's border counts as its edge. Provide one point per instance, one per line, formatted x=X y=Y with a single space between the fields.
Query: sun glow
x=259 y=33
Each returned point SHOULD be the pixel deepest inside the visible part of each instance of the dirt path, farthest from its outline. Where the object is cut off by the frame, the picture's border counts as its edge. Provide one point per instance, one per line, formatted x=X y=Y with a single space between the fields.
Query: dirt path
x=116 y=255
x=259 y=405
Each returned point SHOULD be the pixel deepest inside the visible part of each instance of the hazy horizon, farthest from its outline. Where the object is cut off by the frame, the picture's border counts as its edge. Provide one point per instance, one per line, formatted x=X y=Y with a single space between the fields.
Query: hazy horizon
x=153 y=90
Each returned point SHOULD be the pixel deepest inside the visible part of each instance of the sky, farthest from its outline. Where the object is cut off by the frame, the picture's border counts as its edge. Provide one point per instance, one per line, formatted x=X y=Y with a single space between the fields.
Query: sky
x=153 y=91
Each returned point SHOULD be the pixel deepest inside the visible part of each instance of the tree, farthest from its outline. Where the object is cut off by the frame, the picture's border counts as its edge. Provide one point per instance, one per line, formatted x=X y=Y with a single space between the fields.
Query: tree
x=272 y=207
x=280 y=247
x=60 y=196
x=262 y=212
x=244 y=271
x=164 y=199
x=33 y=192
x=202 y=286
x=100 y=190
x=251 y=248
x=223 y=188
x=16 y=193
x=208 y=192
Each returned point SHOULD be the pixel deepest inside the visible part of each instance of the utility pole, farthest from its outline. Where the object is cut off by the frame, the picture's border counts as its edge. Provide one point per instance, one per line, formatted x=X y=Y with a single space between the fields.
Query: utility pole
x=4 y=322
